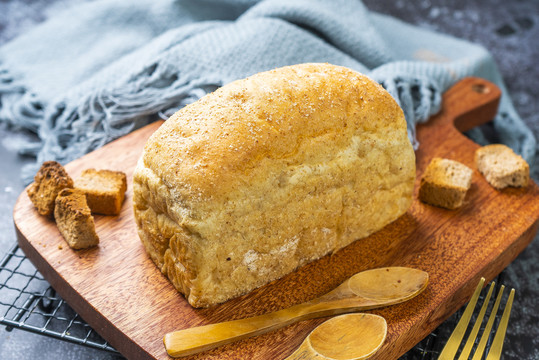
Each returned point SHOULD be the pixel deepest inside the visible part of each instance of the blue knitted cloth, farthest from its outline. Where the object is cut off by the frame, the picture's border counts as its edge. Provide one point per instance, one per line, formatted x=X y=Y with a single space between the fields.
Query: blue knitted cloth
x=97 y=71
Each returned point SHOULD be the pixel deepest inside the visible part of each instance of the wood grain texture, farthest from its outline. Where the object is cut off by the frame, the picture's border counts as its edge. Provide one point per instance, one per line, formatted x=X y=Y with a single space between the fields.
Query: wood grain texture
x=116 y=288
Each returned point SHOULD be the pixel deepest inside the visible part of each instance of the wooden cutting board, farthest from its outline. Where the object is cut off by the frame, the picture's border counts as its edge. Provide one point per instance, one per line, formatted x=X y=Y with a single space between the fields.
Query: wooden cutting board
x=122 y=295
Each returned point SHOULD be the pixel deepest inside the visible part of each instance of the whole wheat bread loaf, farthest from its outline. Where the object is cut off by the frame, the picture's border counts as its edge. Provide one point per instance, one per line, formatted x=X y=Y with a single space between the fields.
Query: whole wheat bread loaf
x=269 y=173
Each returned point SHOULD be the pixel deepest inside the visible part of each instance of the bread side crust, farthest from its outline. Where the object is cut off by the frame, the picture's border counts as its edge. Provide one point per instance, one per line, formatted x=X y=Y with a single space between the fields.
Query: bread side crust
x=157 y=229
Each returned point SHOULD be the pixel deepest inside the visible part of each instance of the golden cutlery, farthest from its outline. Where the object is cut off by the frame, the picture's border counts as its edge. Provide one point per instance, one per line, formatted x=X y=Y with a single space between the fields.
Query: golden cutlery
x=453 y=344
x=365 y=290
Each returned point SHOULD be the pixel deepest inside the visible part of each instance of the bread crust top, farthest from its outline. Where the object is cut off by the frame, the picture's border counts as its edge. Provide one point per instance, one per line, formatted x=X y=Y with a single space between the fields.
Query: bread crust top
x=214 y=143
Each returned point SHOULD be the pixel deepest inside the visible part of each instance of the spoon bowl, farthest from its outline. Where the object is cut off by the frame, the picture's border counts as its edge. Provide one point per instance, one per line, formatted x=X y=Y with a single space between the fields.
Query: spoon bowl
x=344 y=337
x=388 y=283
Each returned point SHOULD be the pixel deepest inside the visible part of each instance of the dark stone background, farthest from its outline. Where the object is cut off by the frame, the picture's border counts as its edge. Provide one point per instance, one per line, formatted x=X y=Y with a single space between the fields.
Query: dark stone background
x=508 y=29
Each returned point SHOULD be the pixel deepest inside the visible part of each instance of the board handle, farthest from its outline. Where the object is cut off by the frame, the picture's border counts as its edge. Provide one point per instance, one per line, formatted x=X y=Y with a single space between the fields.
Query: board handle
x=469 y=103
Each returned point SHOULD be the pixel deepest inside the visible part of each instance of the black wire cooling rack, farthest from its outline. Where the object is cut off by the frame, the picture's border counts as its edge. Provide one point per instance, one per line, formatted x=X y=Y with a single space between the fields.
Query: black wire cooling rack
x=28 y=302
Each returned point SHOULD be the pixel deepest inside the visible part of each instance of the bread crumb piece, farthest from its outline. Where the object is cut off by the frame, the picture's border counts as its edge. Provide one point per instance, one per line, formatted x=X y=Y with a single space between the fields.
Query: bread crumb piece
x=74 y=219
x=501 y=167
x=104 y=189
x=445 y=183
x=48 y=182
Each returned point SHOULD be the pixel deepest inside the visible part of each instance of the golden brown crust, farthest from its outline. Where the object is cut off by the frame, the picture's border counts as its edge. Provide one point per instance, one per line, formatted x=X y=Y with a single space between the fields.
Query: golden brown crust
x=104 y=189
x=445 y=183
x=502 y=167
x=48 y=182
x=214 y=144
x=74 y=219
x=269 y=173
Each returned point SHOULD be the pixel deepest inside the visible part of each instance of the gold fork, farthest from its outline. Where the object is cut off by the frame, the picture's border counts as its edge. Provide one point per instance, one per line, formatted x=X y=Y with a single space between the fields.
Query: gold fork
x=453 y=344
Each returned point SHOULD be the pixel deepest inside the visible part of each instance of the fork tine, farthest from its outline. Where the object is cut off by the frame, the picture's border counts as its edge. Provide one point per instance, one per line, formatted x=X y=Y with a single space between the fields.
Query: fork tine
x=496 y=349
x=452 y=345
x=473 y=334
x=486 y=333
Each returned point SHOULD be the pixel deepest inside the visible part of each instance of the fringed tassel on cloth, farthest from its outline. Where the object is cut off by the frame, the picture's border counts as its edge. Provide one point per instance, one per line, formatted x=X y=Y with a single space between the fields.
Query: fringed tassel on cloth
x=419 y=99
x=18 y=107
x=71 y=129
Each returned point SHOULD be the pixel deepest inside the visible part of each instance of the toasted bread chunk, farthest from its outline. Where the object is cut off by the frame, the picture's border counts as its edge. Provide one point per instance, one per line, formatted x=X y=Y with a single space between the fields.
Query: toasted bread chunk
x=74 y=219
x=48 y=182
x=445 y=183
x=501 y=167
x=104 y=189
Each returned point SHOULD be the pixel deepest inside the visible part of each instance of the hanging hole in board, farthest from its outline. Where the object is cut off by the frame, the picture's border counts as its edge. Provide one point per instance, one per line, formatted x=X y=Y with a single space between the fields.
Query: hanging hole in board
x=480 y=88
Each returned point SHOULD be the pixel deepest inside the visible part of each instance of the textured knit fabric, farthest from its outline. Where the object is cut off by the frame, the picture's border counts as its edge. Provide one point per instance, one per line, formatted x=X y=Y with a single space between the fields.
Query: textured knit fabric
x=97 y=71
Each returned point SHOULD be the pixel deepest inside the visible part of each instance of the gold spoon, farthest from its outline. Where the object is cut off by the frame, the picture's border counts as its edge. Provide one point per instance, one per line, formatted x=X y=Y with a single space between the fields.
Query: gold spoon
x=365 y=290
x=345 y=337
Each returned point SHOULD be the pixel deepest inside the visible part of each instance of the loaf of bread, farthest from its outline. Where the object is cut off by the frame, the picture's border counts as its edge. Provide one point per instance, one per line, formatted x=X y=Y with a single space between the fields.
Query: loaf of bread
x=74 y=219
x=501 y=167
x=445 y=183
x=104 y=189
x=269 y=173
x=48 y=182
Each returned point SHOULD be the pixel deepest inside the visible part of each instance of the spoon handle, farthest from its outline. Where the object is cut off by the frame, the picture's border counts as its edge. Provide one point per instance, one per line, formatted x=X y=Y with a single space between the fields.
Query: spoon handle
x=197 y=339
